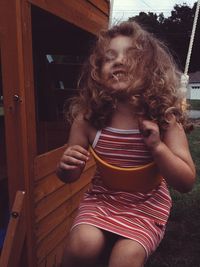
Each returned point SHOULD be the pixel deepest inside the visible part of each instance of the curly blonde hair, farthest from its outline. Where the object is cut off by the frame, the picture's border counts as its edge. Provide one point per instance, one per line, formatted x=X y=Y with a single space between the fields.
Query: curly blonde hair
x=154 y=87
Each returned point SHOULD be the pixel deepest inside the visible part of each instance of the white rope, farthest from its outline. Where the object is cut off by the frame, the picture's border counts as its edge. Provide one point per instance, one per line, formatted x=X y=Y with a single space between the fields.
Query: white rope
x=185 y=76
x=192 y=38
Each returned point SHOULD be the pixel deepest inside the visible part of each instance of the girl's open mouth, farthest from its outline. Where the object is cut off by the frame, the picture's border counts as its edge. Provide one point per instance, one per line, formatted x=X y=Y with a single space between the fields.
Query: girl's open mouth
x=119 y=75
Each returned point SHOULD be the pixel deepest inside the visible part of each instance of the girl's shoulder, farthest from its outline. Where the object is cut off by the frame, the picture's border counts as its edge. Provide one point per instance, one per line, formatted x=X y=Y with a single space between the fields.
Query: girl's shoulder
x=80 y=123
x=175 y=137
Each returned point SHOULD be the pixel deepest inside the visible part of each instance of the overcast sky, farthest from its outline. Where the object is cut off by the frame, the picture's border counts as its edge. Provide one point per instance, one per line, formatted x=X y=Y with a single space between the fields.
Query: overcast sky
x=123 y=9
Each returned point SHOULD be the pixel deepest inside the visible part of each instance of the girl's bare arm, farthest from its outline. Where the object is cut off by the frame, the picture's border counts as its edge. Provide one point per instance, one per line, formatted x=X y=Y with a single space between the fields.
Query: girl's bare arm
x=76 y=155
x=171 y=154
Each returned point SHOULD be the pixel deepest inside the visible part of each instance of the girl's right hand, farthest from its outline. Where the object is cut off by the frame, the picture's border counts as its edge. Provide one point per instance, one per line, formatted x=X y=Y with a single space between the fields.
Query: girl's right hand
x=150 y=132
x=74 y=157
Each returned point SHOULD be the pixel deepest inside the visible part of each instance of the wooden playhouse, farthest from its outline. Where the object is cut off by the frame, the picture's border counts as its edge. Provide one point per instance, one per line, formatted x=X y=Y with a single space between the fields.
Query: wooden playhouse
x=43 y=44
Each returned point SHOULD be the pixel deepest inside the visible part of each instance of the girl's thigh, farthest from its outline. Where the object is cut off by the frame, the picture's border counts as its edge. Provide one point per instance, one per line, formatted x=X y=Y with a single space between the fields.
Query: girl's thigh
x=127 y=253
x=85 y=241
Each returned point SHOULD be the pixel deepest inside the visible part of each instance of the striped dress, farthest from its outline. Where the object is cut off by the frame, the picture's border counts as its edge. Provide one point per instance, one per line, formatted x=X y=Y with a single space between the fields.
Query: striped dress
x=138 y=216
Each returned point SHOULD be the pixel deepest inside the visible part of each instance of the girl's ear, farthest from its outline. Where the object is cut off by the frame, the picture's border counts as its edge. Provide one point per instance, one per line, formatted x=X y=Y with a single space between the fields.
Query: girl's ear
x=169 y=116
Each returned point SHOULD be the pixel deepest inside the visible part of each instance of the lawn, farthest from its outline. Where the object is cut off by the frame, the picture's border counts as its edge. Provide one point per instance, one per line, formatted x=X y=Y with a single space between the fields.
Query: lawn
x=181 y=244
x=194 y=104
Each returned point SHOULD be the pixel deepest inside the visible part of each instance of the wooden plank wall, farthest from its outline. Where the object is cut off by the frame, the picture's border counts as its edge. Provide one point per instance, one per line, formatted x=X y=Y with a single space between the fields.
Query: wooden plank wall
x=52 y=207
x=55 y=202
x=90 y=15
x=101 y=5
x=55 y=205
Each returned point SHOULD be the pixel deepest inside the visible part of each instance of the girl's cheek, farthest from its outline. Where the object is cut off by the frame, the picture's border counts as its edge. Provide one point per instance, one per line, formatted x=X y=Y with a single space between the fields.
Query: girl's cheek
x=105 y=70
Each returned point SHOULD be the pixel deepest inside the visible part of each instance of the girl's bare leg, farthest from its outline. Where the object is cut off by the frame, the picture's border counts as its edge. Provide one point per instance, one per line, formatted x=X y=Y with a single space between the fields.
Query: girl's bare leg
x=84 y=246
x=127 y=253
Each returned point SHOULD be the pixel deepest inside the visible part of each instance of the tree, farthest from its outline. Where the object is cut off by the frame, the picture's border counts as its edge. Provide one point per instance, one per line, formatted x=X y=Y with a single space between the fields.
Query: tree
x=175 y=31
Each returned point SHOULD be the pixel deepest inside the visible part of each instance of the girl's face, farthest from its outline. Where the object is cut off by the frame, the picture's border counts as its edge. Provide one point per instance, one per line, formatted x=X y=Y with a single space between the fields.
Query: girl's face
x=114 y=72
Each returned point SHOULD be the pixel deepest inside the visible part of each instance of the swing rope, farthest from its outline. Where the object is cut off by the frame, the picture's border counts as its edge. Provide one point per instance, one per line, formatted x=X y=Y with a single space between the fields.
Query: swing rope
x=192 y=38
x=185 y=76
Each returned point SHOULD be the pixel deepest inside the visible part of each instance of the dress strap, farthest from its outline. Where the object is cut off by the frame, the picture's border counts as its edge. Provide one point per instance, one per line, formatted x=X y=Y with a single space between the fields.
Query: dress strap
x=96 y=139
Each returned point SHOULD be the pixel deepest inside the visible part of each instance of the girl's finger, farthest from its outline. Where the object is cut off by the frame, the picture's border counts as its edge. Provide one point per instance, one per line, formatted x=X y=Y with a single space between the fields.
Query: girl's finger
x=70 y=160
x=77 y=155
x=67 y=167
x=81 y=150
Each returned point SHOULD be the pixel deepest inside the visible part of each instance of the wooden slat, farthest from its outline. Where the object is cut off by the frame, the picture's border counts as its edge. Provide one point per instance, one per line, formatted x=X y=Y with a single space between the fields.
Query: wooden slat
x=57 y=198
x=80 y=13
x=11 y=56
x=102 y=5
x=15 y=234
x=46 y=186
x=46 y=163
x=53 y=239
x=28 y=115
x=16 y=50
x=54 y=256
x=50 y=222
x=51 y=183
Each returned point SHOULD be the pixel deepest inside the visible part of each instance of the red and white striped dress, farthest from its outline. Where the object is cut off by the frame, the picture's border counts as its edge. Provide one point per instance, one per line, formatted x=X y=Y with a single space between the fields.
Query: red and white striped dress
x=138 y=216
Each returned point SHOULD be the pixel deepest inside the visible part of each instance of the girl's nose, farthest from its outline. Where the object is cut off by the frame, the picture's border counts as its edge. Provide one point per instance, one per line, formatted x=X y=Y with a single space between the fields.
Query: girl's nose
x=121 y=58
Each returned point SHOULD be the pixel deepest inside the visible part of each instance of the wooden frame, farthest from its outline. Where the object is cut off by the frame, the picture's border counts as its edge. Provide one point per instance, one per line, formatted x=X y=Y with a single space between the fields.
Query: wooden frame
x=14 y=239
x=26 y=170
x=89 y=15
x=18 y=103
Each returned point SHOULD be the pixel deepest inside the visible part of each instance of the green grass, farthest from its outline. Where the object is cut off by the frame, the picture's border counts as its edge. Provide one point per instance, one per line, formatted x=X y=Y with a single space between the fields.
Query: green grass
x=194 y=104
x=181 y=244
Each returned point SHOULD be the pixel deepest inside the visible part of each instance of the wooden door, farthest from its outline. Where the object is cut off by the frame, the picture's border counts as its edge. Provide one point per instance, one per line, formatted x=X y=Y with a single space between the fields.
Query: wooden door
x=50 y=204
x=57 y=60
x=18 y=105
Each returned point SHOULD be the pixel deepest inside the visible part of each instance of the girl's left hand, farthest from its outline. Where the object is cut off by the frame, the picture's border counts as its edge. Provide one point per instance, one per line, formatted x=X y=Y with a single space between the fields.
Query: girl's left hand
x=150 y=132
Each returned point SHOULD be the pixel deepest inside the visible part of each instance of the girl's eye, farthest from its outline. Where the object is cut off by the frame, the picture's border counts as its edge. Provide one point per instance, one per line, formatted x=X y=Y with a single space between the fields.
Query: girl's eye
x=110 y=55
x=131 y=51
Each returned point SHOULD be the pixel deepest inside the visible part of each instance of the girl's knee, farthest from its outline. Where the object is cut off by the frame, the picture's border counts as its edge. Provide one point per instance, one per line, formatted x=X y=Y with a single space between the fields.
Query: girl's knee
x=127 y=253
x=85 y=242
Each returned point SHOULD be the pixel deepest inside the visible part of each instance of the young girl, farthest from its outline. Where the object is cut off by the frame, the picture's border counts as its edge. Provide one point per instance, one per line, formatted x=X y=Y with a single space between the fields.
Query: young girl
x=130 y=114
